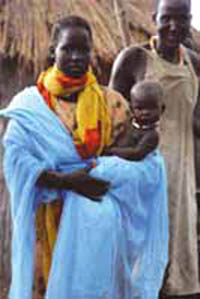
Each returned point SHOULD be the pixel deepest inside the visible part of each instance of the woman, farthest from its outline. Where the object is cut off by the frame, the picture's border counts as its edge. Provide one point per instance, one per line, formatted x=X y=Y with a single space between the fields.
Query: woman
x=113 y=246
x=164 y=58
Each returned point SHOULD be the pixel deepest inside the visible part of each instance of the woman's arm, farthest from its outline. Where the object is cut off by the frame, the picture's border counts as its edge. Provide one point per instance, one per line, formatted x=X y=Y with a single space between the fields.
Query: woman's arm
x=21 y=164
x=79 y=181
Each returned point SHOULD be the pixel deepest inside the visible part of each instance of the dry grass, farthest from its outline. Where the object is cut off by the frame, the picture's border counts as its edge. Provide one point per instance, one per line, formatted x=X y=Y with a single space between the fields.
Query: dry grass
x=25 y=26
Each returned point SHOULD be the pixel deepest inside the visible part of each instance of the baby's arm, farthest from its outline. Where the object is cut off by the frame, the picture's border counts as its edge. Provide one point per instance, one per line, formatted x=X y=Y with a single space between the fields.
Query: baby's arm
x=148 y=142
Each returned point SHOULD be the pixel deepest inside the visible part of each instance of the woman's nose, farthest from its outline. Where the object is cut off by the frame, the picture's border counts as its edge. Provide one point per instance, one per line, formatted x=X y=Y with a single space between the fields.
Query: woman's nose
x=76 y=55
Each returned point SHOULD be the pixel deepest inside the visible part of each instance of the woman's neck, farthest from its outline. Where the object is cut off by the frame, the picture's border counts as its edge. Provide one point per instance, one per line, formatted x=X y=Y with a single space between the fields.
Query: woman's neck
x=73 y=98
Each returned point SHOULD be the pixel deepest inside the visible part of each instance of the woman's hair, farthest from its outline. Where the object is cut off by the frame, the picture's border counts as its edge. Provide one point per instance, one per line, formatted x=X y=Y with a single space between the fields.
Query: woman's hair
x=71 y=21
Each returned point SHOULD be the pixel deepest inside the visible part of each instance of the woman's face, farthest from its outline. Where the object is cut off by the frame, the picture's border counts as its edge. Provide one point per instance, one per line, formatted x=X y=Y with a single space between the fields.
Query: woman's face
x=173 y=22
x=73 y=51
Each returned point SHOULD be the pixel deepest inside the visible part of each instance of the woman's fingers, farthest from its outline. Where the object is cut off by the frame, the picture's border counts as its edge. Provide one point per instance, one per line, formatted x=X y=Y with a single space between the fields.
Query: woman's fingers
x=90 y=166
x=93 y=188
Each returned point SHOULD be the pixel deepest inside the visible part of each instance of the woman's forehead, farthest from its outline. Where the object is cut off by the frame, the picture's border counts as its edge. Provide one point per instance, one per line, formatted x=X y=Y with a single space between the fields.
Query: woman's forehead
x=71 y=34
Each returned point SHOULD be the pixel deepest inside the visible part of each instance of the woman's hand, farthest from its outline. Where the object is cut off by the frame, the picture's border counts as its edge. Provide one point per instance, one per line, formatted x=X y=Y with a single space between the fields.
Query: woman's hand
x=79 y=181
x=88 y=186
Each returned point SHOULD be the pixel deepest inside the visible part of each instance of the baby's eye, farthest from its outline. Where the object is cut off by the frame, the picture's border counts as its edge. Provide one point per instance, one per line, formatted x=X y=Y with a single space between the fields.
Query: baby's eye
x=85 y=51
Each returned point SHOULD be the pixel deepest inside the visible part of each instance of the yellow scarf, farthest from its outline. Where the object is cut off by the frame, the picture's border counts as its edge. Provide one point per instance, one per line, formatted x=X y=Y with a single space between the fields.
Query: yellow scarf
x=93 y=130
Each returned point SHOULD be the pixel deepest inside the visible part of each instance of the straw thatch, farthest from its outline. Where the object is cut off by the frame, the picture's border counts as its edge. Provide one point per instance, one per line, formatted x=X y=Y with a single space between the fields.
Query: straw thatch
x=25 y=26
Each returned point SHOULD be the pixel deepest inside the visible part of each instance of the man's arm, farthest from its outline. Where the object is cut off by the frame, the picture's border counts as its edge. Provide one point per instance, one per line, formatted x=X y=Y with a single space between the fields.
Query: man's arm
x=196 y=117
x=128 y=68
x=195 y=59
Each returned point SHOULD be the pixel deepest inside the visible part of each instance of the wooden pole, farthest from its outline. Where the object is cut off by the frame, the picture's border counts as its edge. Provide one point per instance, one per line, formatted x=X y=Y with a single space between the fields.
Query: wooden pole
x=5 y=230
x=121 y=16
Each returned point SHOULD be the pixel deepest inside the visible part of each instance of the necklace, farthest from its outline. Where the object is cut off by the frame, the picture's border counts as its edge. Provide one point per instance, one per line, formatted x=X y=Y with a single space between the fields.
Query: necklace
x=136 y=125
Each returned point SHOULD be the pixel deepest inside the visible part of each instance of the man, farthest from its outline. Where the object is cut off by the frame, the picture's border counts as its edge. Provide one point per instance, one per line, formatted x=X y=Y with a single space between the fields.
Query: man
x=165 y=59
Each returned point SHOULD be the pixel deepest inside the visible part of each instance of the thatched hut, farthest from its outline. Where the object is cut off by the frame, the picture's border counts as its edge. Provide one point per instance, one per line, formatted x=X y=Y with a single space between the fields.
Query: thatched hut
x=25 y=27
x=24 y=35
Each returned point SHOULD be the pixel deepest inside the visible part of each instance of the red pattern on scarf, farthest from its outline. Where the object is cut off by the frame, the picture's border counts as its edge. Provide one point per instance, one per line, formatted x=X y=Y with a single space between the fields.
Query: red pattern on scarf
x=46 y=95
x=69 y=82
x=92 y=136
x=92 y=142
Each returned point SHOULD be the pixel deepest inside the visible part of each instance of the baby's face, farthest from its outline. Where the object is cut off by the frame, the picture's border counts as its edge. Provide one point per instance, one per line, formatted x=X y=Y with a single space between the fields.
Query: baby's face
x=145 y=110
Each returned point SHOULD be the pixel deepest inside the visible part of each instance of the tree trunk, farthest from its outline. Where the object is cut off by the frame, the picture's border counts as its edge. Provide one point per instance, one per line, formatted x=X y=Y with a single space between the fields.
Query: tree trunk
x=5 y=229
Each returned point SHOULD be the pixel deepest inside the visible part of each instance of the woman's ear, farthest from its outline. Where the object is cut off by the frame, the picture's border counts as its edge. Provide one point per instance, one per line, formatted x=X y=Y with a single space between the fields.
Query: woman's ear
x=52 y=52
x=50 y=60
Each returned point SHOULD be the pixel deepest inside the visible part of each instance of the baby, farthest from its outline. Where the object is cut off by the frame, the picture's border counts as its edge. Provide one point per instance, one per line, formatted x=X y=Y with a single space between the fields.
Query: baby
x=142 y=135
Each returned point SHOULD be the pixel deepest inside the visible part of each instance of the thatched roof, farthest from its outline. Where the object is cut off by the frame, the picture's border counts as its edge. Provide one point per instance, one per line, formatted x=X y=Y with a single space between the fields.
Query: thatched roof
x=25 y=26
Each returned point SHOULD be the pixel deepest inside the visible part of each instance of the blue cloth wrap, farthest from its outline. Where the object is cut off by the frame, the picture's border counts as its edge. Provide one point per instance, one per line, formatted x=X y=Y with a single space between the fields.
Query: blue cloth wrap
x=115 y=249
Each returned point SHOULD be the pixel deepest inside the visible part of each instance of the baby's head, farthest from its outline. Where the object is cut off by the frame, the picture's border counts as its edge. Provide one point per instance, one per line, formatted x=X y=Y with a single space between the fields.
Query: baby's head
x=147 y=102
